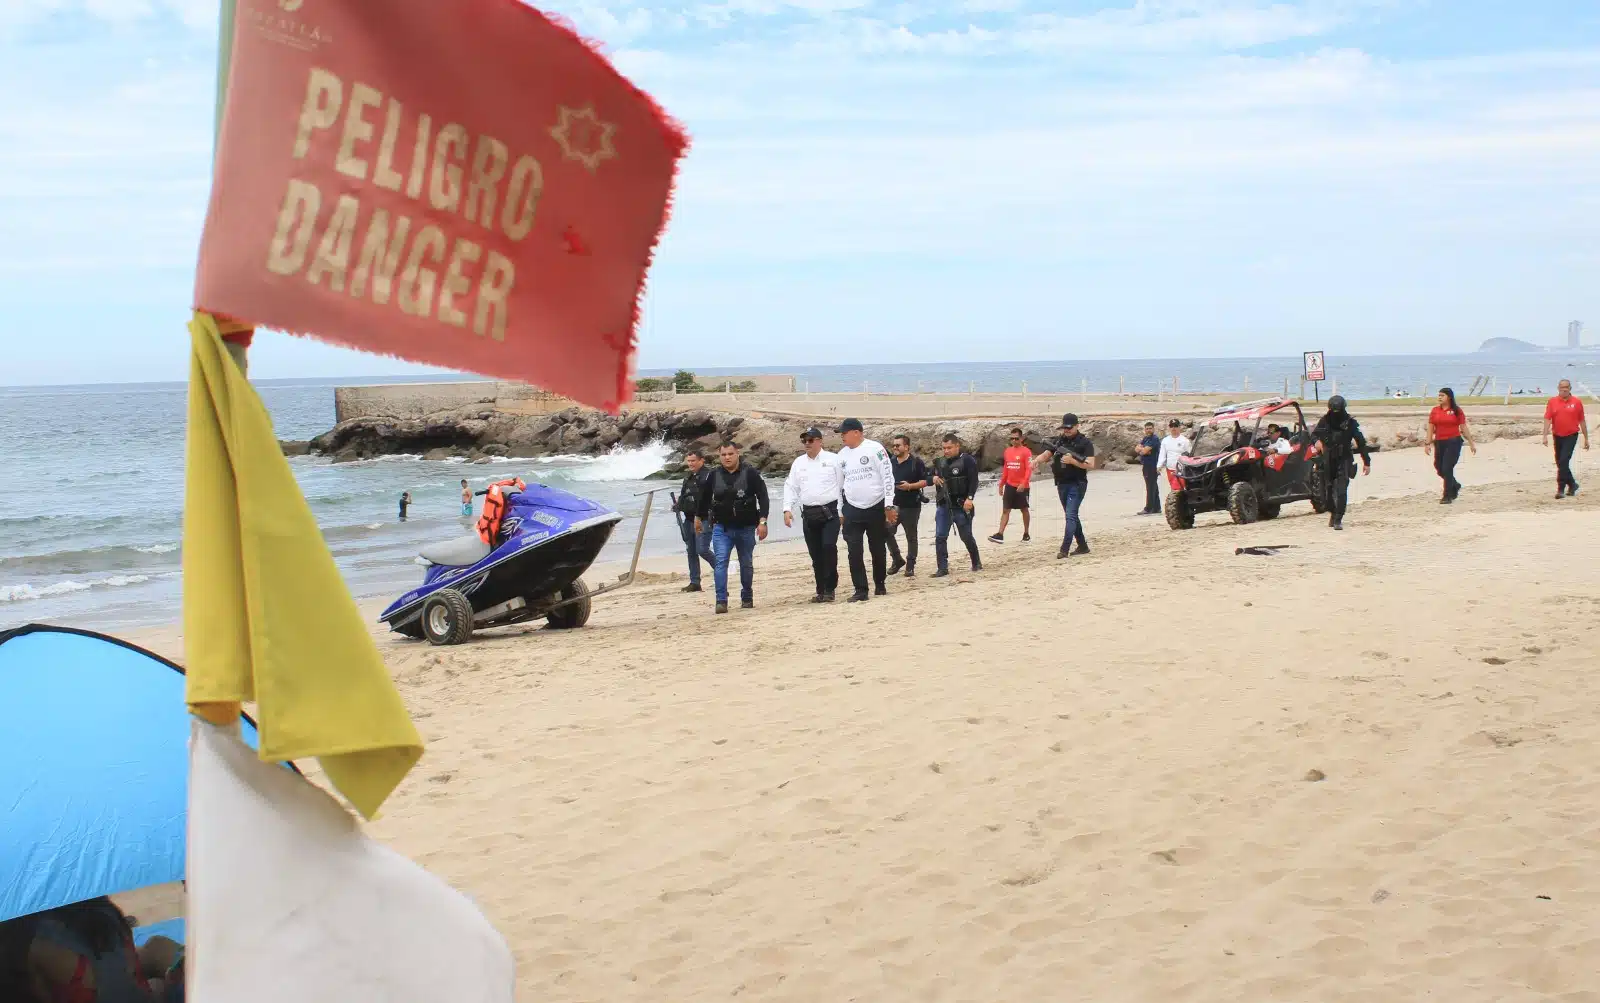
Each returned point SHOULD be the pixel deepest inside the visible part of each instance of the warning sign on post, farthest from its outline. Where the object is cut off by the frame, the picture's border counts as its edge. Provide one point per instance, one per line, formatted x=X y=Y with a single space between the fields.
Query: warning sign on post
x=1316 y=371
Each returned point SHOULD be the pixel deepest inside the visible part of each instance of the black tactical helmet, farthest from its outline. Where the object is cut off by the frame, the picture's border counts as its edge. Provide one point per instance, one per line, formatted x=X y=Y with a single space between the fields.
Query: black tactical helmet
x=1336 y=403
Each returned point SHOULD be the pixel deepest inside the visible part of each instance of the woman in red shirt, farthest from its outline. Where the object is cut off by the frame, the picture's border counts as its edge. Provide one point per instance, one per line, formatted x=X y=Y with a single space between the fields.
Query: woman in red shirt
x=1447 y=427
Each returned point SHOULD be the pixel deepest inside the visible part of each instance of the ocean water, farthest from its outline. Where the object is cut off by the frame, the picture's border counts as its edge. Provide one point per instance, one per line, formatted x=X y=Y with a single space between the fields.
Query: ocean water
x=91 y=477
x=1368 y=376
x=91 y=500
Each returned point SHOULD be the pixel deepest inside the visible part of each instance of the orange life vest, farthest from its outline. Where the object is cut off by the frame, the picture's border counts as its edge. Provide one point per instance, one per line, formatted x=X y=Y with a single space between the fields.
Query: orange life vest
x=494 y=508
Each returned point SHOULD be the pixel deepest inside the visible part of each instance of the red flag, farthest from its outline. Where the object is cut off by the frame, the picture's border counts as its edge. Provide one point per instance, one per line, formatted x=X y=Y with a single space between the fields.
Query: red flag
x=466 y=184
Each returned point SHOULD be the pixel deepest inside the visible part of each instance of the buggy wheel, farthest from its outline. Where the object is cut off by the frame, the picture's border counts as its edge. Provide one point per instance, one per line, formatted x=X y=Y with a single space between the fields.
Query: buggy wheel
x=573 y=616
x=412 y=630
x=1270 y=510
x=447 y=617
x=1176 y=509
x=1243 y=504
x=1314 y=485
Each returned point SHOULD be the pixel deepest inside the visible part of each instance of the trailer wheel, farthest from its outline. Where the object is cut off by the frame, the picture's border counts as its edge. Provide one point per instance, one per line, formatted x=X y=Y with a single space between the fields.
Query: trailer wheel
x=447 y=617
x=1176 y=509
x=575 y=615
x=1243 y=504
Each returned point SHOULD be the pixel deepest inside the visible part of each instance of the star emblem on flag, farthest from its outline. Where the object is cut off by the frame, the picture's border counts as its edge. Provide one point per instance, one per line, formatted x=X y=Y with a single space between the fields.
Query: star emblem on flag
x=583 y=137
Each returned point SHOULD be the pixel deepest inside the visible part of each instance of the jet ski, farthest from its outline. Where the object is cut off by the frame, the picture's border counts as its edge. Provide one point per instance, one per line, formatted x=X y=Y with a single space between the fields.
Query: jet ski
x=524 y=562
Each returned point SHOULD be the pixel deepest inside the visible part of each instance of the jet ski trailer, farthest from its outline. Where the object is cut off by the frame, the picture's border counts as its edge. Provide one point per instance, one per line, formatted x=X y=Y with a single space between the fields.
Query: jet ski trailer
x=547 y=539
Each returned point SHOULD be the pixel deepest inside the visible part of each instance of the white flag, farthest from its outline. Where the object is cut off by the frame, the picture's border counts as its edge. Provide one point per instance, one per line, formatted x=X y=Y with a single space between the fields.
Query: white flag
x=289 y=900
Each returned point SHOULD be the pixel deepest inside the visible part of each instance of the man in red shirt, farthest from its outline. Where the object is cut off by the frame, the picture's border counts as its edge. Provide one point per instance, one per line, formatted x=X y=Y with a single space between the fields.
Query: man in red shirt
x=1016 y=474
x=1563 y=416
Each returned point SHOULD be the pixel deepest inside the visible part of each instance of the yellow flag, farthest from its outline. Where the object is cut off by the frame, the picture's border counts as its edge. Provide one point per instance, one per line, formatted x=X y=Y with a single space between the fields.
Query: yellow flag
x=266 y=616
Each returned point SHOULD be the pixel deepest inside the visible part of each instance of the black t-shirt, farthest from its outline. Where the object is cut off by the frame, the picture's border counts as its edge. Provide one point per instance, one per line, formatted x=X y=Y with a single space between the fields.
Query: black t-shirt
x=1154 y=445
x=909 y=470
x=1078 y=446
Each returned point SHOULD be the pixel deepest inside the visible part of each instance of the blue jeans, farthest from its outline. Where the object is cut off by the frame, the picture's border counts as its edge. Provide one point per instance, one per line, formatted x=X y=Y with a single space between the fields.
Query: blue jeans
x=945 y=517
x=1071 y=493
x=698 y=546
x=724 y=541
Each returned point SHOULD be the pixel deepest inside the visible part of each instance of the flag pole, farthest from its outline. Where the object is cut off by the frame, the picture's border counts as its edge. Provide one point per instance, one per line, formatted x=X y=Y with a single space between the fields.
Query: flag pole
x=238 y=348
x=224 y=715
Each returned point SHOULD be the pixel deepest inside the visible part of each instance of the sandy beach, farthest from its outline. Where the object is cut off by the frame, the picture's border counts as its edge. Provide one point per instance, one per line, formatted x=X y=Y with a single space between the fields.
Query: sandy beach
x=1360 y=769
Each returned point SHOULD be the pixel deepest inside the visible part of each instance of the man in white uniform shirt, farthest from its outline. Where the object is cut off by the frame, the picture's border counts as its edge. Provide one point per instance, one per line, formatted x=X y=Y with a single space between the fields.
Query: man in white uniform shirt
x=813 y=488
x=869 y=507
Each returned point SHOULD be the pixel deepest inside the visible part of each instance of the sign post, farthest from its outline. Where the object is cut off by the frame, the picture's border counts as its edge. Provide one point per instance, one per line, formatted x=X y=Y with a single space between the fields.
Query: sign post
x=1316 y=371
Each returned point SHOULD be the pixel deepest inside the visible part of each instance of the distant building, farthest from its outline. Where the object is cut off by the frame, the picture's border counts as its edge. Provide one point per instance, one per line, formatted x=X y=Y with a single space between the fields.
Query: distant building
x=1575 y=334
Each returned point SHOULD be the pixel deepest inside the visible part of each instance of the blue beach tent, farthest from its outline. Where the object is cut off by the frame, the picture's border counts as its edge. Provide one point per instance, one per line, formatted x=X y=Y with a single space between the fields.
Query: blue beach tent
x=94 y=769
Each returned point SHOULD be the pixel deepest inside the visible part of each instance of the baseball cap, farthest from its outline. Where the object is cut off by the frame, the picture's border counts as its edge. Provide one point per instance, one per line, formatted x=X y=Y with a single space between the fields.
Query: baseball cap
x=1069 y=420
x=1174 y=423
x=850 y=425
x=811 y=433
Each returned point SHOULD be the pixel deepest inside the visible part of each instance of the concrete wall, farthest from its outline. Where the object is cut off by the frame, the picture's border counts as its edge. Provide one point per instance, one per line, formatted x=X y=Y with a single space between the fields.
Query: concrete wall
x=418 y=400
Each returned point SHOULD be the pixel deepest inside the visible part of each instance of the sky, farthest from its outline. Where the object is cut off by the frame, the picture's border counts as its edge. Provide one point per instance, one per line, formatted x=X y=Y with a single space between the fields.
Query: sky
x=946 y=180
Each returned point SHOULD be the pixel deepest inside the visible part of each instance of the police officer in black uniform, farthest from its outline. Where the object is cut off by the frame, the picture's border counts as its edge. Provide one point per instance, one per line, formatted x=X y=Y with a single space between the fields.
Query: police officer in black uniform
x=697 y=543
x=1341 y=438
x=955 y=478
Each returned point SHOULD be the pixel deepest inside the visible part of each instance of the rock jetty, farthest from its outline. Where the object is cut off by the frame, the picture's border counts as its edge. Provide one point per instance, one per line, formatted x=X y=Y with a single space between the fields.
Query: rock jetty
x=769 y=442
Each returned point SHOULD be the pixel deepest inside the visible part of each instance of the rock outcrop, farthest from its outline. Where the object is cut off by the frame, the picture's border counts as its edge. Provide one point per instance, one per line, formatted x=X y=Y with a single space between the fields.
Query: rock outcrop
x=770 y=442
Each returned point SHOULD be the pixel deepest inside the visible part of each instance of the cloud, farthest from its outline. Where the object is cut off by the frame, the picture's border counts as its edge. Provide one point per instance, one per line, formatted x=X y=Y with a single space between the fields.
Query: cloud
x=849 y=157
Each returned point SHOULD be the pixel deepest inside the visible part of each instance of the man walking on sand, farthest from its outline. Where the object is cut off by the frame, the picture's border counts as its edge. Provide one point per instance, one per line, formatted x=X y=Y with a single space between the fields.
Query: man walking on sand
x=1071 y=457
x=696 y=541
x=1341 y=438
x=1016 y=475
x=813 y=488
x=869 y=508
x=735 y=507
x=955 y=477
x=1563 y=415
x=910 y=477
x=1149 y=450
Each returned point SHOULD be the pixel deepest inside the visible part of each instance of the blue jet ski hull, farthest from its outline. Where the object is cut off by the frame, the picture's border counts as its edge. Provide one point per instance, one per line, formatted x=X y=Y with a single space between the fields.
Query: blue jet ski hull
x=548 y=538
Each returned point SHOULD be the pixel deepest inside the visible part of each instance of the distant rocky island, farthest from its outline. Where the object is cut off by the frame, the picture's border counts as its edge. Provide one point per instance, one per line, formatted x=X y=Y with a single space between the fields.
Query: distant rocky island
x=1504 y=345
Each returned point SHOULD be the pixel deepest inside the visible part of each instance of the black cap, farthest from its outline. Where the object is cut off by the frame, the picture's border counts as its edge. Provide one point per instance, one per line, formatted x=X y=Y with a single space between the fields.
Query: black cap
x=811 y=433
x=850 y=425
x=1174 y=423
x=1069 y=420
x=1336 y=403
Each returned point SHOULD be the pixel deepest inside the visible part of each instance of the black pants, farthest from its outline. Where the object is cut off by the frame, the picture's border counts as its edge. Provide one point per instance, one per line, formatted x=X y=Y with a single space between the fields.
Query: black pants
x=909 y=514
x=1565 y=444
x=1446 y=453
x=1339 y=486
x=868 y=523
x=822 y=543
x=1152 y=494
